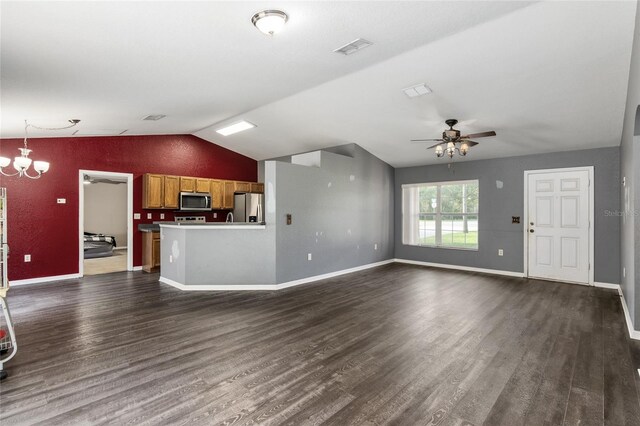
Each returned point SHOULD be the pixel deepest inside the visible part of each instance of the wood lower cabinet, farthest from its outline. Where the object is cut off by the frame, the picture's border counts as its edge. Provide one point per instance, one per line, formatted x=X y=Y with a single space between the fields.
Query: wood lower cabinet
x=257 y=187
x=171 y=192
x=150 y=251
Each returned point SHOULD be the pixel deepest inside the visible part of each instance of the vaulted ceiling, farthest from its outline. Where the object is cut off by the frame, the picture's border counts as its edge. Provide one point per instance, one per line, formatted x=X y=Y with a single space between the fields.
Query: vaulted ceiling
x=547 y=76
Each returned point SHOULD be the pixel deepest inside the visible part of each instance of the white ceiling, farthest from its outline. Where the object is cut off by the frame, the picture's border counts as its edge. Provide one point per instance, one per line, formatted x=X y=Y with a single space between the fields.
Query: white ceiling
x=546 y=76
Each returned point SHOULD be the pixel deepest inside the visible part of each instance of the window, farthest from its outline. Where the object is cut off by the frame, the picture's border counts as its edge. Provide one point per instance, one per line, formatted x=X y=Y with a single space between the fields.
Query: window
x=441 y=214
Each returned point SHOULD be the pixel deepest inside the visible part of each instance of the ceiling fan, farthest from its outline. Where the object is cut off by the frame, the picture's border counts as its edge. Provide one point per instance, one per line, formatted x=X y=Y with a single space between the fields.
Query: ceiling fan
x=451 y=141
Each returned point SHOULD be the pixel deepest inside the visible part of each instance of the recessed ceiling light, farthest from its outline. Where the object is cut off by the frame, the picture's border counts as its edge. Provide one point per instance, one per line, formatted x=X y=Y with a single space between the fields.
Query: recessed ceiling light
x=269 y=21
x=235 y=128
x=418 y=90
x=155 y=117
x=354 y=46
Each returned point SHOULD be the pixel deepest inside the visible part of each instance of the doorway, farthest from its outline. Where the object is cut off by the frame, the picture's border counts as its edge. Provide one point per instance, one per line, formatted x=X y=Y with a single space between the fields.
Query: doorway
x=105 y=222
x=558 y=232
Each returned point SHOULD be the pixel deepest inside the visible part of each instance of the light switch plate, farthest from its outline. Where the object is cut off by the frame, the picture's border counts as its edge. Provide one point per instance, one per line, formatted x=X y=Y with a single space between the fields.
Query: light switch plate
x=27 y=258
x=309 y=256
x=161 y=216
x=61 y=201
x=136 y=215
x=500 y=252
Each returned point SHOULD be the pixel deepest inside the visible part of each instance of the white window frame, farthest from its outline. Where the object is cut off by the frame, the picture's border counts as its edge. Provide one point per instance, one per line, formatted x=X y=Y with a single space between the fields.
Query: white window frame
x=409 y=228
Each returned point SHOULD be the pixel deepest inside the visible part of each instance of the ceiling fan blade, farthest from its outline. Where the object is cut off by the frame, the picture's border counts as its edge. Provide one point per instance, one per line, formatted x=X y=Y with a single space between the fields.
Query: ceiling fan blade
x=479 y=135
x=433 y=146
x=470 y=143
x=426 y=140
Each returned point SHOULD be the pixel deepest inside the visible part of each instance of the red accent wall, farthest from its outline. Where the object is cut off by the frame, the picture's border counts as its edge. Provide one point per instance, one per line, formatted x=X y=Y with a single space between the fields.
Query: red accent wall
x=37 y=225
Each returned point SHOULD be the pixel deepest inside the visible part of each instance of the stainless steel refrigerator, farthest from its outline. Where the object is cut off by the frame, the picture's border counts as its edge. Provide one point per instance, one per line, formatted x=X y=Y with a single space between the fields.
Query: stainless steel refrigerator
x=248 y=207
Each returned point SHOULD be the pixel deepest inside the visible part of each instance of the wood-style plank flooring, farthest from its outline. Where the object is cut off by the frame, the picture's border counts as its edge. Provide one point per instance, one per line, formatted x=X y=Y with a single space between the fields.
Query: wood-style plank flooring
x=397 y=344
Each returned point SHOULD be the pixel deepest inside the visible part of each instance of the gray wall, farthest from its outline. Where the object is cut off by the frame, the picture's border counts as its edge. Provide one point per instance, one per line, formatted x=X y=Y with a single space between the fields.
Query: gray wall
x=630 y=161
x=339 y=211
x=105 y=210
x=498 y=205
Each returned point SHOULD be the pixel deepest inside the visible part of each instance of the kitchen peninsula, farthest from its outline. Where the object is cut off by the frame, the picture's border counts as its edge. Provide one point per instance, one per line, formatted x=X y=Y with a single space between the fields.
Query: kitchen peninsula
x=218 y=256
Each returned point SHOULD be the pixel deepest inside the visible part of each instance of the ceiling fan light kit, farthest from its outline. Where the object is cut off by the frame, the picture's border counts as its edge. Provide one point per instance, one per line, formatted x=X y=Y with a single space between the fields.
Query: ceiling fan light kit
x=452 y=142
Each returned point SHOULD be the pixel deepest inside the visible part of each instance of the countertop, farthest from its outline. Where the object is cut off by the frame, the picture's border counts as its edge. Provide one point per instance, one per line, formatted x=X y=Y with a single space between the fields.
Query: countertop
x=155 y=227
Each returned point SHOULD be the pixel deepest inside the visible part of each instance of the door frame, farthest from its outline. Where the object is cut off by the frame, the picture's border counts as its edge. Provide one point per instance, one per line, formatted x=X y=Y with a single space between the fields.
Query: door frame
x=105 y=175
x=525 y=235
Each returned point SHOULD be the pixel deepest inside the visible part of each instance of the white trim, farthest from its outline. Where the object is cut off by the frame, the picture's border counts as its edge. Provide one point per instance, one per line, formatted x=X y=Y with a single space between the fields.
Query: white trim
x=44 y=279
x=137 y=268
x=462 y=268
x=108 y=175
x=240 y=287
x=120 y=248
x=634 y=334
x=214 y=225
x=592 y=226
x=607 y=285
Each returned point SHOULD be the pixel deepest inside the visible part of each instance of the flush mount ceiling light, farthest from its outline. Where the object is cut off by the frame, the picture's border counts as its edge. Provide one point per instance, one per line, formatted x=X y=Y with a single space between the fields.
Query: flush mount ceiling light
x=270 y=21
x=235 y=128
x=22 y=163
x=418 y=90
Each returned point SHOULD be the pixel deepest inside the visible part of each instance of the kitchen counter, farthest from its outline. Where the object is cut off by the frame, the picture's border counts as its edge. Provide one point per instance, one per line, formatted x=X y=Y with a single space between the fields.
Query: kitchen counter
x=214 y=225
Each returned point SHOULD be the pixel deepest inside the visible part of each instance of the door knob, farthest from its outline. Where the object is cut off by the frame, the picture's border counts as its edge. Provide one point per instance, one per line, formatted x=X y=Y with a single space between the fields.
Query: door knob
x=531 y=230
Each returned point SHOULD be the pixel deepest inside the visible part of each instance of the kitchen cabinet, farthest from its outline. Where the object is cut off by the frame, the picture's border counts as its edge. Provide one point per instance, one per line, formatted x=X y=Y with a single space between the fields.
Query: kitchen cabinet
x=229 y=190
x=171 y=191
x=202 y=185
x=187 y=184
x=150 y=251
x=216 y=189
x=242 y=187
x=257 y=187
x=162 y=191
x=152 y=191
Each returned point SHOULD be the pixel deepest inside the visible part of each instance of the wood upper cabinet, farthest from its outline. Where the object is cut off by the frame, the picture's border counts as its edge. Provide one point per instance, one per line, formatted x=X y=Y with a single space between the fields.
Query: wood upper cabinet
x=257 y=187
x=229 y=189
x=171 y=191
x=152 y=191
x=242 y=187
x=202 y=185
x=216 y=189
x=187 y=184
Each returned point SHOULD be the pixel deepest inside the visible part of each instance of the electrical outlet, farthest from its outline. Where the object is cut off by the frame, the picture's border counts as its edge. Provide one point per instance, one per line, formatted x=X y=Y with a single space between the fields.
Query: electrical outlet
x=215 y=215
x=161 y=216
x=149 y=216
x=136 y=215
x=309 y=256
x=375 y=246
x=170 y=258
x=27 y=258
x=61 y=201
x=500 y=252
x=624 y=272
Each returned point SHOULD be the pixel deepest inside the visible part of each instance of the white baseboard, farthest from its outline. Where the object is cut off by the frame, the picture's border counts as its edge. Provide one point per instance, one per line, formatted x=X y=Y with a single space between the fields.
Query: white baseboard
x=607 y=285
x=462 y=268
x=120 y=248
x=137 y=268
x=253 y=287
x=44 y=279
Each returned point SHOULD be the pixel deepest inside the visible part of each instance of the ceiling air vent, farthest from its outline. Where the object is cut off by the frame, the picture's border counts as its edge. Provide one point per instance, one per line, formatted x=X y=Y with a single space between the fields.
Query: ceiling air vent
x=155 y=117
x=353 y=47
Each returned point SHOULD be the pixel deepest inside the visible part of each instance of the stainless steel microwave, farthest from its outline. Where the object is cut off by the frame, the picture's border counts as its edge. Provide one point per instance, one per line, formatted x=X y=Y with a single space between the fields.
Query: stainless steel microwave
x=195 y=201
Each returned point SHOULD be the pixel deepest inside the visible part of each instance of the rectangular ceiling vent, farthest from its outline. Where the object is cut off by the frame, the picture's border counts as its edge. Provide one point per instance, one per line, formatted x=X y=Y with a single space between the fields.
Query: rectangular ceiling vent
x=155 y=117
x=354 y=46
x=417 y=90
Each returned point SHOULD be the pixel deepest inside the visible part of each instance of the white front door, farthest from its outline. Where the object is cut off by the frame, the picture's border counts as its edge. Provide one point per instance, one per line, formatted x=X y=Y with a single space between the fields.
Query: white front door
x=558 y=213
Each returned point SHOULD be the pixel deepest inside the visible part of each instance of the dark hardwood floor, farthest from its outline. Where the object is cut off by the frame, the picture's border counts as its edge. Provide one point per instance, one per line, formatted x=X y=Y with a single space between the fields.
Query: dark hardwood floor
x=397 y=344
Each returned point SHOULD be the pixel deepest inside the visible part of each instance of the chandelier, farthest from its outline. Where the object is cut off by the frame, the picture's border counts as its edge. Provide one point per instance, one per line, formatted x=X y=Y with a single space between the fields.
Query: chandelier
x=23 y=162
